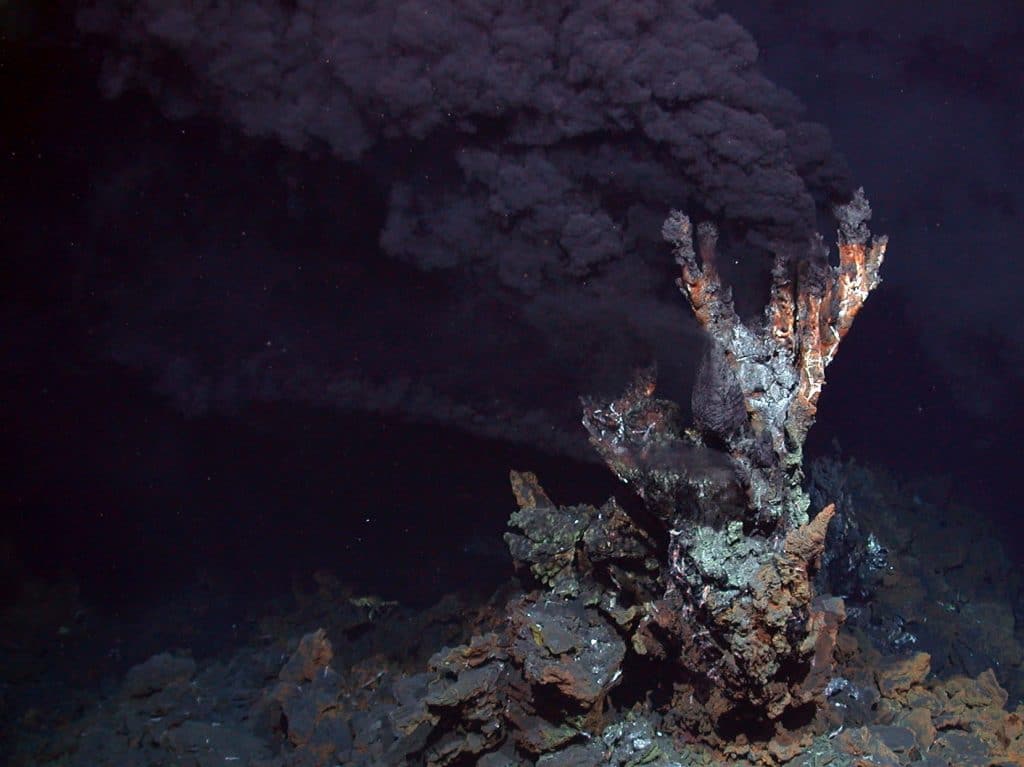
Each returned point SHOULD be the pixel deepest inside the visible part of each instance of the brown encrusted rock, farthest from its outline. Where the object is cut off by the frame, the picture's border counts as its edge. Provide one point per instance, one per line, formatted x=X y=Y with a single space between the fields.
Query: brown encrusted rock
x=825 y=618
x=528 y=492
x=863 y=742
x=976 y=706
x=567 y=647
x=467 y=673
x=900 y=740
x=468 y=693
x=547 y=539
x=788 y=745
x=919 y=721
x=896 y=675
x=981 y=692
x=1010 y=731
x=313 y=654
x=962 y=749
x=473 y=703
x=305 y=696
x=158 y=673
x=305 y=706
x=575 y=549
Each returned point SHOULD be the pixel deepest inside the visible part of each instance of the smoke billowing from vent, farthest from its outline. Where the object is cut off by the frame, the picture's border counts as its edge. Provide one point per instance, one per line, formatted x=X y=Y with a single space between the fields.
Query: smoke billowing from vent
x=523 y=159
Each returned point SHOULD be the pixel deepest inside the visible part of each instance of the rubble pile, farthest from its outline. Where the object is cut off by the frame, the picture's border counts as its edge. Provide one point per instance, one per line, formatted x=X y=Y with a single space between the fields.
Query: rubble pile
x=521 y=693
x=918 y=572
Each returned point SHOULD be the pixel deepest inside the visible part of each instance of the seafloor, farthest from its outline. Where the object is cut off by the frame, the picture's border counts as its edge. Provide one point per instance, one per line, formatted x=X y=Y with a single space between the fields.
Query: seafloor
x=928 y=668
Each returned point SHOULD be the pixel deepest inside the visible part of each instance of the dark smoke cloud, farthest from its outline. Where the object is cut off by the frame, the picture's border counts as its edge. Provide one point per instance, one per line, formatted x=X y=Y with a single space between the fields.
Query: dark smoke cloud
x=925 y=107
x=524 y=157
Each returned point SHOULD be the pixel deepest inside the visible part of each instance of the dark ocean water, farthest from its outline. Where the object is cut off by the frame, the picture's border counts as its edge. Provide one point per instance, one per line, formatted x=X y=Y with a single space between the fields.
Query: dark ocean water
x=278 y=328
